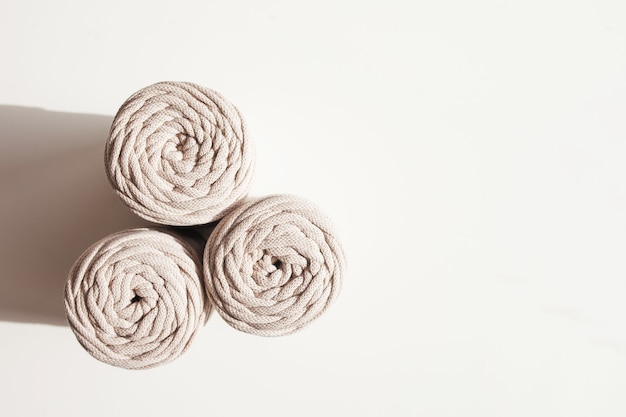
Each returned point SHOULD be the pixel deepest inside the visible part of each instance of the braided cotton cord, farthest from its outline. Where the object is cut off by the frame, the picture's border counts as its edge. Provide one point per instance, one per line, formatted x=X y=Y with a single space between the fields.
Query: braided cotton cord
x=135 y=299
x=273 y=265
x=178 y=154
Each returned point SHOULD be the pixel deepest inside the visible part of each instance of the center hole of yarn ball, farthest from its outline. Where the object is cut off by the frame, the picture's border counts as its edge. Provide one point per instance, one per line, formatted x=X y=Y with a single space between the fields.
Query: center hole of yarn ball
x=277 y=263
x=135 y=299
x=181 y=139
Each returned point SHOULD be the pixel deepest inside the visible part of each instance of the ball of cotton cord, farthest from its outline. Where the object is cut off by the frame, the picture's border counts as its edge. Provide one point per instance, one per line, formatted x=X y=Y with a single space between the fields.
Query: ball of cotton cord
x=273 y=265
x=179 y=154
x=135 y=299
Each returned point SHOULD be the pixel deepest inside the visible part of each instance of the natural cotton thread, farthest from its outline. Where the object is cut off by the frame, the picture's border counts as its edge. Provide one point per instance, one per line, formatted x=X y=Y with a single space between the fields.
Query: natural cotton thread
x=135 y=299
x=178 y=154
x=273 y=265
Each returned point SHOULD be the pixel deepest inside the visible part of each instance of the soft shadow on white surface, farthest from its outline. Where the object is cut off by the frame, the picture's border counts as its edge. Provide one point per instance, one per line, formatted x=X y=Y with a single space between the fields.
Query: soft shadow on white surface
x=56 y=201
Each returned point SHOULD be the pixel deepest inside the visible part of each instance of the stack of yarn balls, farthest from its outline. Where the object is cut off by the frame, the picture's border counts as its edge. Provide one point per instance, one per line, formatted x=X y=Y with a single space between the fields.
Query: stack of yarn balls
x=178 y=154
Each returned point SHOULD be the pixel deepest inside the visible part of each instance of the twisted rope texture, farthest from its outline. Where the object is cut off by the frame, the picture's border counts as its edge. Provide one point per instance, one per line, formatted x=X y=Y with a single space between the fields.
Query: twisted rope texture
x=135 y=299
x=178 y=154
x=273 y=265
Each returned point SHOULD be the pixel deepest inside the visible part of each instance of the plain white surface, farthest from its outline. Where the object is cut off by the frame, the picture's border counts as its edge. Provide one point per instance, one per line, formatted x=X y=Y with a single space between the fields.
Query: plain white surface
x=471 y=153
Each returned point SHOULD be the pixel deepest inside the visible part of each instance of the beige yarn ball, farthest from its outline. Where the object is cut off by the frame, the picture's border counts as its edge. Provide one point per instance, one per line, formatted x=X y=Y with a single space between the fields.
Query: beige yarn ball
x=135 y=299
x=273 y=265
x=179 y=154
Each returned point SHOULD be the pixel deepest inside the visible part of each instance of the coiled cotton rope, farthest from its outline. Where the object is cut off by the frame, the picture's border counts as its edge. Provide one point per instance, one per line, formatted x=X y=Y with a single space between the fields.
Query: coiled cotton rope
x=178 y=154
x=135 y=299
x=273 y=265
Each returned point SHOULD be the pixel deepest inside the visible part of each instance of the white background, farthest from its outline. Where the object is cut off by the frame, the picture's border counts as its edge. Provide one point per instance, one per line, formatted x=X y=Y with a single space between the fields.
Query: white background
x=472 y=154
